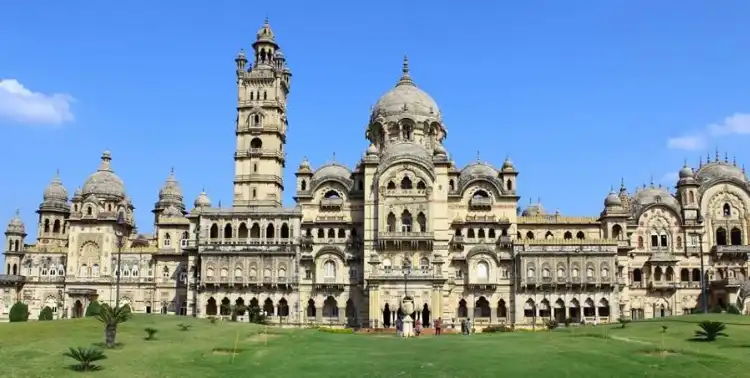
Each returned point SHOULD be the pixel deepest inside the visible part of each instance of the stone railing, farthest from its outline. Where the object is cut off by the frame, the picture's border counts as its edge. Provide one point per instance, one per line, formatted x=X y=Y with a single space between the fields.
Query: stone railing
x=406 y=235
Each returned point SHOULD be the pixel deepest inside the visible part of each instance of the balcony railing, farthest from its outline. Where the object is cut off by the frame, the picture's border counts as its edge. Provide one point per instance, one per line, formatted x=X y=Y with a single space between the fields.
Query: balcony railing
x=397 y=273
x=331 y=202
x=406 y=235
x=479 y=202
x=731 y=248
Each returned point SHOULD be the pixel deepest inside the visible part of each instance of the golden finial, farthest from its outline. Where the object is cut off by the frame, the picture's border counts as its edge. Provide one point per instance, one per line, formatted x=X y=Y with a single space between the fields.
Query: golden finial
x=716 y=155
x=405 y=68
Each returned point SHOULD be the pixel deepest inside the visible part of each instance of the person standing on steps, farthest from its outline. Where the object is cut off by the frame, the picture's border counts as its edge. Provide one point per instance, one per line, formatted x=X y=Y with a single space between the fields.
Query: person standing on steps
x=399 y=326
x=438 y=326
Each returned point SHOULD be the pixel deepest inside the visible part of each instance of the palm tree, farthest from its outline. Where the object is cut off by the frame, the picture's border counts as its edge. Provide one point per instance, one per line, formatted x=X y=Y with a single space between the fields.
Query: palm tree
x=709 y=330
x=111 y=317
x=85 y=358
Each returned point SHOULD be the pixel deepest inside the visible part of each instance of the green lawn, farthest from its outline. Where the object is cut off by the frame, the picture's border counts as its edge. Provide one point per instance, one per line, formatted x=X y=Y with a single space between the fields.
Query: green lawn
x=35 y=350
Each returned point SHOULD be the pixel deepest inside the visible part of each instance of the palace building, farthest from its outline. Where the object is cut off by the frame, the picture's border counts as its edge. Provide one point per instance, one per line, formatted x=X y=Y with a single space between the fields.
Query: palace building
x=403 y=221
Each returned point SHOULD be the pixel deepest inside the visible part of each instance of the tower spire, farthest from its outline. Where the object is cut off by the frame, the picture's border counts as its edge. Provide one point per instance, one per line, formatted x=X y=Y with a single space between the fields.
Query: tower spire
x=405 y=77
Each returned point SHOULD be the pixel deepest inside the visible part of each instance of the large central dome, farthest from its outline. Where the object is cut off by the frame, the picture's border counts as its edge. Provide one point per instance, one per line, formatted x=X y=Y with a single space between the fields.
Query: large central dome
x=104 y=182
x=406 y=99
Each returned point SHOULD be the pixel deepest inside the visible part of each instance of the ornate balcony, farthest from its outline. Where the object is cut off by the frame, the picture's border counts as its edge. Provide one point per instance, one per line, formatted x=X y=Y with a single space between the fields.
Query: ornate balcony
x=332 y=203
x=720 y=249
x=11 y=280
x=480 y=203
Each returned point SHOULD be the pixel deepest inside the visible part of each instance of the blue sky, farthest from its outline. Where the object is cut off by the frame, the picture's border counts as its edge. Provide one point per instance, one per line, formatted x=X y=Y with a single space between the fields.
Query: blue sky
x=579 y=95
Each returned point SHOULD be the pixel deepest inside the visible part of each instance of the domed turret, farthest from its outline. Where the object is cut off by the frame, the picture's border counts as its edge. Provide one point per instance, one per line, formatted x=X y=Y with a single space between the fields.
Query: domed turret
x=406 y=98
x=372 y=150
x=612 y=200
x=55 y=198
x=104 y=183
x=304 y=166
x=533 y=210
x=16 y=226
x=508 y=165
x=202 y=200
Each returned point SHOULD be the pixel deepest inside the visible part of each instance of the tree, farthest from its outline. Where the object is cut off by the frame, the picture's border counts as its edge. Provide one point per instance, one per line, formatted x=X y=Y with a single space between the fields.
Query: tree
x=85 y=358
x=19 y=312
x=46 y=313
x=93 y=309
x=111 y=318
x=710 y=331
x=742 y=295
x=255 y=315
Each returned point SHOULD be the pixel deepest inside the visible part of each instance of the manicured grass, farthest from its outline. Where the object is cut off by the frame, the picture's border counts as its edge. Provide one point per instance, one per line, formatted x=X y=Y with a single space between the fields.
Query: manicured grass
x=35 y=350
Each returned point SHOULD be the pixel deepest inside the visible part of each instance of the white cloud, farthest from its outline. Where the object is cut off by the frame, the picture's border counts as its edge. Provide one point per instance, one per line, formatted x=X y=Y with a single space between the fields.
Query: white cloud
x=736 y=124
x=19 y=104
x=688 y=142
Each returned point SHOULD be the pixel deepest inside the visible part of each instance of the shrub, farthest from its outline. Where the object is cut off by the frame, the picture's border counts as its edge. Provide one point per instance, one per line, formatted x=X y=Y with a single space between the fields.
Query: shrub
x=126 y=308
x=496 y=329
x=255 y=315
x=568 y=321
x=19 y=312
x=623 y=321
x=336 y=330
x=93 y=309
x=151 y=332
x=551 y=324
x=717 y=309
x=664 y=329
x=185 y=327
x=85 y=358
x=732 y=309
x=45 y=314
x=212 y=320
x=710 y=331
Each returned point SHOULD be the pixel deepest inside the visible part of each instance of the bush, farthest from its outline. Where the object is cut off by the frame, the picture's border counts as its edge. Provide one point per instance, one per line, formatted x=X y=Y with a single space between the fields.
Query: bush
x=126 y=308
x=255 y=315
x=45 y=314
x=151 y=332
x=709 y=330
x=497 y=329
x=623 y=321
x=184 y=327
x=212 y=319
x=336 y=330
x=716 y=309
x=93 y=309
x=551 y=324
x=85 y=358
x=732 y=309
x=19 y=312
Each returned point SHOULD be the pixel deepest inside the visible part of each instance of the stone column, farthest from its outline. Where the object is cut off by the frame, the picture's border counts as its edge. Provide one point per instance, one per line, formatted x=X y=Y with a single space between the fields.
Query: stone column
x=319 y=314
x=342 y=315
x=493 y=315
x=470 y=312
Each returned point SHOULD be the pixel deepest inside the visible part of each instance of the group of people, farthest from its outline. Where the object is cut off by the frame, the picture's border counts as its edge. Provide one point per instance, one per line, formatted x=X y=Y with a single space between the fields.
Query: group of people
x=438 y=323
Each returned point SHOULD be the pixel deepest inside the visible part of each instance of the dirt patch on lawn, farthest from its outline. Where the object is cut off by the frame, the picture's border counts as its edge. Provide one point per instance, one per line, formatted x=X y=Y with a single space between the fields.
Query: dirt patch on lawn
x=663 y=353
x=261 y=337
x=226 y=352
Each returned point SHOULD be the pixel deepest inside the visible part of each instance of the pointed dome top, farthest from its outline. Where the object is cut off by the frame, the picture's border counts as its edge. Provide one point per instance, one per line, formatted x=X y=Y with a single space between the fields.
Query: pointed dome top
x=265 y=34
x=16 y=226
x=104 y=182
x=406 y=100
x=171 y=188
x=202 y=200
x=55 y=191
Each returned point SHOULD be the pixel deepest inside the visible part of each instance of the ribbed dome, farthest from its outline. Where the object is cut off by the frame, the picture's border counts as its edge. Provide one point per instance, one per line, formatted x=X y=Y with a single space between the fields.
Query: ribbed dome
x=332 y=170
x=686 y=172
x=653 y=195
x=477 y=169
x=55 y=191
x=612 y=200
x=171 y=188
x=534 y=209
x=202 y=200
x=104 y=182
x=16 y=226
x=719 y=170
x=407 y=99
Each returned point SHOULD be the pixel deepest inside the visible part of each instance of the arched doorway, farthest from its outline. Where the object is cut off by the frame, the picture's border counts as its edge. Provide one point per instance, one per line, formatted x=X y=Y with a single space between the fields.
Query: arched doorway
x=78 y=309
x=425 y=316
x=311 y=308
x=268 y=307
x=482 y=308
x=387 y=316
x=211 y=307
x=463 y=311
x=283 y=309
x=351 y=313
x=226 y=307
x=330 y=308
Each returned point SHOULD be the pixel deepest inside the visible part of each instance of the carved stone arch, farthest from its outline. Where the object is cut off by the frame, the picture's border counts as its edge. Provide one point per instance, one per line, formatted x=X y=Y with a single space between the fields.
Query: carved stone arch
x=331 y=250
x=716 y=194
x=483 y=250
x=249 y=121
x=490 y=185
x=654 y=206
x=395 y=172
x=331 y=186
x=330 y=180
x=87 y=246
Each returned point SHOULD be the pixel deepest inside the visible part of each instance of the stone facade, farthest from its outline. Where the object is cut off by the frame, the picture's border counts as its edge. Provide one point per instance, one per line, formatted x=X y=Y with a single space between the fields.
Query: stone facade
x=404 y=221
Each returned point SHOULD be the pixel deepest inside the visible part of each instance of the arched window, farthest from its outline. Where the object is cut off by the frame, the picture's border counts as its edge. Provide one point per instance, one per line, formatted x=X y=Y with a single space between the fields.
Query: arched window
x=228 y=231
x=56 y=226
x=530 y=273
x=640 y=242
x=580 y=235
x=727 y=210
x=255 y=231
x=735 y=236
x=391 y=222
x=406 y=183
x=483 y=270
x=329 y=269
x=256 y=143
x=303 y=185
x=451 y=186
x=509 y=184
x=560 y=272
x=270 y=230
x=568 y=235
x=46 y=225
x=284 y=231
x=167 y=239
x=214 y=233
x=529 y=235
x=406 y=221
x=721 y=236
x=422 y=221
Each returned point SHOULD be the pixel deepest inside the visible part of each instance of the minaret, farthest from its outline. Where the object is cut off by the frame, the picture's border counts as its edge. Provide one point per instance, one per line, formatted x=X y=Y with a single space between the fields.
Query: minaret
x=53 y=214
x=261 y=123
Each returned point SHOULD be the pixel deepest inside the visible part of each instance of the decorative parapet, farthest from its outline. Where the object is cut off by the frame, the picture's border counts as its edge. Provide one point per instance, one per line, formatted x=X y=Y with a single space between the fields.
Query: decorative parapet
x=557 y=219
x=582 y=242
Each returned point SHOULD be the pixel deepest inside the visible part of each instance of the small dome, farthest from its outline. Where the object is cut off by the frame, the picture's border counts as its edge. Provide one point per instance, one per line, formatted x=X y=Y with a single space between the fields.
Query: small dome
x=241 y=55
x=534 y=209
x=508 y=165
x=653 y=195
x=304 y=165
x=279 y=55
x=77 y=194
x=332 y=170
x=440 y=150
x=612 y=200
x=265 y=33
x=477 y=169
x=55 y=191
x=405 y=148
x=16 y=226
x=372 y=150
x=686 y=172
x=202 y=200
x=406 y=98
x=104 y=182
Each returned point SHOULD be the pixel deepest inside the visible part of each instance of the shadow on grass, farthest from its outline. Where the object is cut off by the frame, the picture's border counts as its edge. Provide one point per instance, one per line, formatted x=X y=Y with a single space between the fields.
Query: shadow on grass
x=82 y=369
x=700 y=340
